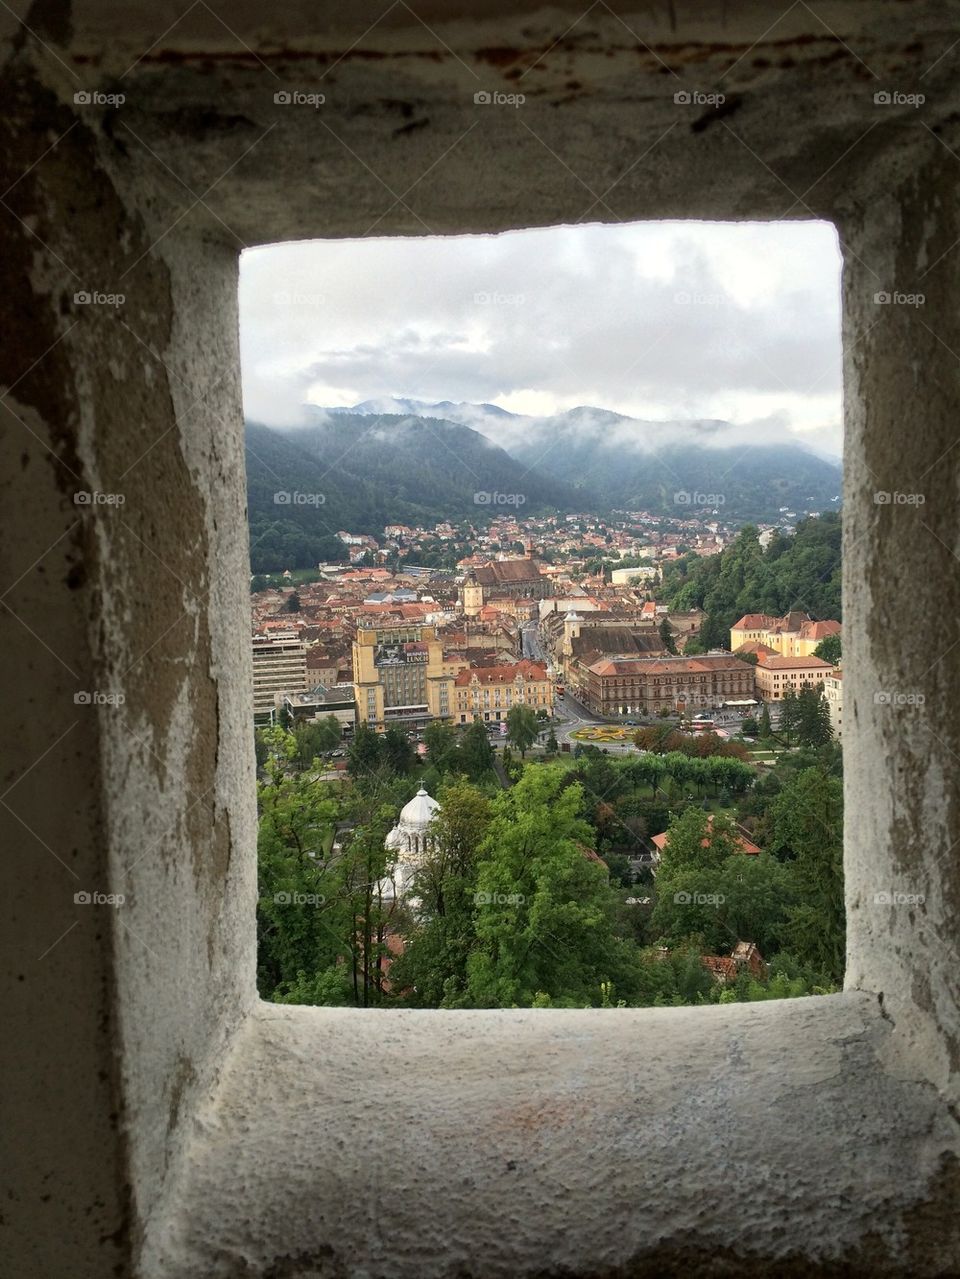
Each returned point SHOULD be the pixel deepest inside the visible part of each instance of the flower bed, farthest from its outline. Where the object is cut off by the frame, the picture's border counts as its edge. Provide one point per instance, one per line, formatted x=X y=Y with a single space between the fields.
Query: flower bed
x=603 y=733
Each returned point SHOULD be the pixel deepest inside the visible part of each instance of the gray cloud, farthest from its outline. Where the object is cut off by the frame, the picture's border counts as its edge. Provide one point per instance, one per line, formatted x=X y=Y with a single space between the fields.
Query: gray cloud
x=657 y=321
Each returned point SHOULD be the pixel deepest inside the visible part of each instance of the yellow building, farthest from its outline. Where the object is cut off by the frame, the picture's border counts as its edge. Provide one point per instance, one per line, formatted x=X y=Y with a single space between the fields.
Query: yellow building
x=400 y=675
x=774 y=675
x=488 y=692
x=794 y=635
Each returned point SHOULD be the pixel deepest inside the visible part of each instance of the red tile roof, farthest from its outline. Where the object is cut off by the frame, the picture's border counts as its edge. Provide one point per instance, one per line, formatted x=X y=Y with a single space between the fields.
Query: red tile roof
x=819 y=630
x=793 y=663
x=667 y=665
x=754 y=622
x=745 y=845
x=500 y=572
x=501 y=674
x=722 y=967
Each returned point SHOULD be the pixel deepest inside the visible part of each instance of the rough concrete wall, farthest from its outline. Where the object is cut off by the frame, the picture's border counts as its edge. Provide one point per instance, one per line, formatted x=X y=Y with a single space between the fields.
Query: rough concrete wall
x=123 y=1035
x=127 y=563
x=67 y=1192
x=759 y=1140
x=399 y=145
x=901 y=604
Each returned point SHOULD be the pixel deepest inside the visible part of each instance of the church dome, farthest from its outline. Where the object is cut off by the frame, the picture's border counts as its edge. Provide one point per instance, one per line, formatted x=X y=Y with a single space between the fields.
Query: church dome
x=411 y=837
x=419 y=813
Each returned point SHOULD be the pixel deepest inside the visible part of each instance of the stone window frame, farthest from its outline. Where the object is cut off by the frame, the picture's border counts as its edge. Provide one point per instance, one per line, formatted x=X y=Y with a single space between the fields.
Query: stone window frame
x=795 y=1096
x=216 y=1135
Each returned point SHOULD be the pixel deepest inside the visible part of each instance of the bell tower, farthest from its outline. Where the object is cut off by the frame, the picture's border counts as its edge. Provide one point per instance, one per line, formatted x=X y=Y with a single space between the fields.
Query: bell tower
x=471 y=595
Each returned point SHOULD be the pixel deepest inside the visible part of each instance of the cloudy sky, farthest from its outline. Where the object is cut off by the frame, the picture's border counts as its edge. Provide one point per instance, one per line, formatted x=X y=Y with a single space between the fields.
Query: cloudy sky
x=668 y=320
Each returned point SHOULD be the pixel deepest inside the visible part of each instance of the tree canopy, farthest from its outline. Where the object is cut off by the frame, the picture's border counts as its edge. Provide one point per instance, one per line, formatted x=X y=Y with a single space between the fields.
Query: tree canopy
x=797 y=572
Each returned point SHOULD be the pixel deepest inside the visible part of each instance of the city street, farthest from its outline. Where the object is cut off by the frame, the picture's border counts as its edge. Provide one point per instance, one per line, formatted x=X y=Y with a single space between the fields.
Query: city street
x=530 y=640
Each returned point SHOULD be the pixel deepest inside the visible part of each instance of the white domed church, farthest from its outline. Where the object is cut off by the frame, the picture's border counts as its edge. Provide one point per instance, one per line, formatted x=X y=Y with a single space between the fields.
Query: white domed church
x=410 y=839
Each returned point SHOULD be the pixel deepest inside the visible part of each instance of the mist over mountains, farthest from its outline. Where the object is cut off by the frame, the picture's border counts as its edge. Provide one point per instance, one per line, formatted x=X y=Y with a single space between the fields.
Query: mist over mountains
x=406 y=461
x=619 y=461
x=359 y=474
x=359 y=468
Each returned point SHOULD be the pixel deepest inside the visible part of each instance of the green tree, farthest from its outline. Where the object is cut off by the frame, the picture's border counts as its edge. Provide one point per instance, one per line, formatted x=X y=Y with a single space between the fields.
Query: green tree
x=765 y=730
x=708 y=887
x=545 y=910
x=476 y=753
x=368 y=907
x=316 y=737
x=398 y=753
x=279 y=751
x=330 y=986
x=797 y=572
x=757 y=895
x=714 y=633
x=432 y=971
x=365 y=754
x=789 y=716
x=521 y=727
x=441 y=743
x=806 y=832
x=813 y=718
x=829 y=649
x=697 y=842
x=666 y=636
x=552 y=744
x=296 y=885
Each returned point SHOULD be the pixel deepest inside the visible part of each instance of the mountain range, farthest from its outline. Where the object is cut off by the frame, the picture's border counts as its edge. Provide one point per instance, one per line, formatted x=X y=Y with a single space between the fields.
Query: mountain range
x=411 y=462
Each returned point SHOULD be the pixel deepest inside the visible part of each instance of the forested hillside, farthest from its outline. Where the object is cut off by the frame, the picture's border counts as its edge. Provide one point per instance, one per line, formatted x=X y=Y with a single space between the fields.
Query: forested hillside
x=362 y=473
x=615 y=461
x=797 y=572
